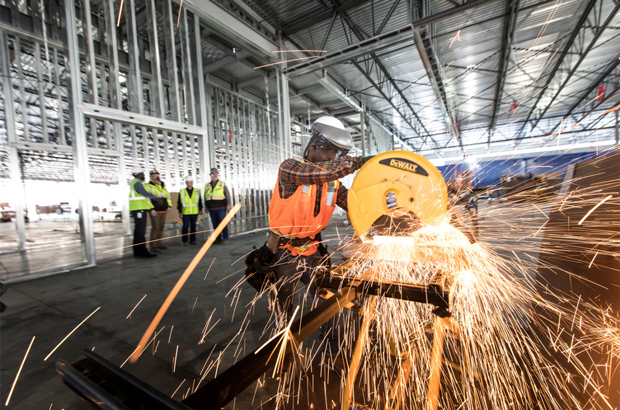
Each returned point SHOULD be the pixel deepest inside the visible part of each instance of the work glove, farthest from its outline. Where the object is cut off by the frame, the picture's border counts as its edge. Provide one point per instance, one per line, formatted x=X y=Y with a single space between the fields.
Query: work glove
x=153 y=212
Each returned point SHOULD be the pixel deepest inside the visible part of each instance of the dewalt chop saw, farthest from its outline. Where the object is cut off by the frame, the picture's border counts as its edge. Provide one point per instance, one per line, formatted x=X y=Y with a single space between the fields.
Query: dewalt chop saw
x=395 y=190
x=394 y=194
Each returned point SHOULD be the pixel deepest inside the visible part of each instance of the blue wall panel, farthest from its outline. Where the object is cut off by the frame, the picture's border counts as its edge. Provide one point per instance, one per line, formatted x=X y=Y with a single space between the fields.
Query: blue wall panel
x=489 y=173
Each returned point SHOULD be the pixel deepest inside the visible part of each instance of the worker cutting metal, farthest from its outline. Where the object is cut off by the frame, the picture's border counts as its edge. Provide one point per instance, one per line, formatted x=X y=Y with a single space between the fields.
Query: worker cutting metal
x=303 y=201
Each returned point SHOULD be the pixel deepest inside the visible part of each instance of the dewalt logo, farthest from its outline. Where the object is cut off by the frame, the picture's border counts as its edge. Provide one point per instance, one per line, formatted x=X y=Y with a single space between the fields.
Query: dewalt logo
x=405 y=165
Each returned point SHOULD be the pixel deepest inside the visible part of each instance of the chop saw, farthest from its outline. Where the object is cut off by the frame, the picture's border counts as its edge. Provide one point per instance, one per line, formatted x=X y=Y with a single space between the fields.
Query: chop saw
x=395 y=190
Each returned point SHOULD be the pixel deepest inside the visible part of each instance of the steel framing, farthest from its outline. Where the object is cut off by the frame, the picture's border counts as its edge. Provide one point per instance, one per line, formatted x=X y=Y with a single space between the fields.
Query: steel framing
x=130 y=102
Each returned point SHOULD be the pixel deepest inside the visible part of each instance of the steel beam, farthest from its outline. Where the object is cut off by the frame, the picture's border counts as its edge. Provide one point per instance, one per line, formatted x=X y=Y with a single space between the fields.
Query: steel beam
x=141 y=120
x=386 y=97
x=593 y=85
x=556 y=66
x=228 y=26
x=376 y=43
x=596 y=37
x=434 y=72
x=80 y=148
x=309 y=22
x=510 y=22
x=223 y=62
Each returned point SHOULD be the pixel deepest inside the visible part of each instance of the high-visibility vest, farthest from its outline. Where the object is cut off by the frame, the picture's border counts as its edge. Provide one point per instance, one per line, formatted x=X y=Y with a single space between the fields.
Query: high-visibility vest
x=137 y=202
x=159 y=190
x=190 y=203
x=293 y=217
x=216 y=193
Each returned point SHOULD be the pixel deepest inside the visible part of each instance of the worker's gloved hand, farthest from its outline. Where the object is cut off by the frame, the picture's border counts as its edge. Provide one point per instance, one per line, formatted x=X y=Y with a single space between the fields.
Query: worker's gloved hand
x=153 y=212
x=367 y=158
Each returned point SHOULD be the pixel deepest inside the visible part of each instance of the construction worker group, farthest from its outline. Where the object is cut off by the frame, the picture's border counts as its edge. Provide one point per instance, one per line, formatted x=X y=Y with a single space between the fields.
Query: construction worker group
x=153 y=199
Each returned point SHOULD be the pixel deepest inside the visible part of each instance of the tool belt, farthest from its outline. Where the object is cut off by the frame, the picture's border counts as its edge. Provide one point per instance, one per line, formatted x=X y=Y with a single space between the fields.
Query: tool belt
x=274 y=242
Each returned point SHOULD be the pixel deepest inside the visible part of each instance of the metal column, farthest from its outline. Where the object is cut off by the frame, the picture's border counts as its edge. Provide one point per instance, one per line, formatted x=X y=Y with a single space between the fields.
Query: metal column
x=115 y=96
x=205 y=142
x=18 y=188
x=285 y=115
x=80 y=148
x=363 y=129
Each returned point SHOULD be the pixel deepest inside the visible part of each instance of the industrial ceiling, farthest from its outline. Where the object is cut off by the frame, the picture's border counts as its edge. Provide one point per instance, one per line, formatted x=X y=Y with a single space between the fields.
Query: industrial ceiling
x=452 y=79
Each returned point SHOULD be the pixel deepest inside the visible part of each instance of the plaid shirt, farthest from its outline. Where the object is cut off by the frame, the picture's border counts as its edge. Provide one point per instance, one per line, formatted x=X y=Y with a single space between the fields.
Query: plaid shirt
x=294 y=173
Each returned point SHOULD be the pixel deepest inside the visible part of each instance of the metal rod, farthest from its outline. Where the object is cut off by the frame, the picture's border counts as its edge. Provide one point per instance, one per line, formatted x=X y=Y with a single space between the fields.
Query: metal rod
x=9 y=112
x=91 y=67
x=41 y=87
x=17 y=49
x=205 y=141
x=62 y=140
x=189 y=92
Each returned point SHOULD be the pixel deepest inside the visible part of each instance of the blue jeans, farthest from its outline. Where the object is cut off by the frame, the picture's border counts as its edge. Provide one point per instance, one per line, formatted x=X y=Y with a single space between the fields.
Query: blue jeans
x=139 y=232
x=189 y=226
x=217 y=215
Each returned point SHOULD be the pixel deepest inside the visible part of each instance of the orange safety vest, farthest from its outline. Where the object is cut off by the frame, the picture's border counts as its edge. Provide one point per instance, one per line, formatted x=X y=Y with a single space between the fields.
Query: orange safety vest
x=293 y=217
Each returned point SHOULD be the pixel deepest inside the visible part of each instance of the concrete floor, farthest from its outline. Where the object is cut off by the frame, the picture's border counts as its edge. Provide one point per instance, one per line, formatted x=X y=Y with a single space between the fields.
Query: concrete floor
x=53 y=243
x=48 y=308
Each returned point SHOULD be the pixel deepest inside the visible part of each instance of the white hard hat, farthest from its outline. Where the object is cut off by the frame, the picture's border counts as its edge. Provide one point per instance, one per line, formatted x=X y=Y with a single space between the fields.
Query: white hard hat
x=136 y=170
x=331 y=131
x=189 y=178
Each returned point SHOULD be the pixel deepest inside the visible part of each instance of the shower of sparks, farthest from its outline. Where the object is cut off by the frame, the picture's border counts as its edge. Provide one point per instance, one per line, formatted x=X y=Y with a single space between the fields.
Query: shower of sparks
x=120 y=13
x=194 y=306
x=458 y=35
x=174 y=361
x=593 y=209
x=18 y=373
x=180 y=8
x=300 y=51
x=134 y=308
x=592 y=261
x=156 y=240
x=175 y=392
x=70 y=333
x=208 y=270
x=170 y=335
x=182 y=280
x=285 y=61
x=491 y=358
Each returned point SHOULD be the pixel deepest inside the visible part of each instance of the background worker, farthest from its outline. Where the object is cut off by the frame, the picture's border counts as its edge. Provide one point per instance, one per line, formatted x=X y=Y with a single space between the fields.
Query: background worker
x=189 y=206
x=304 y=198
x=161 y=205
x=139 y=204
x=218 y=202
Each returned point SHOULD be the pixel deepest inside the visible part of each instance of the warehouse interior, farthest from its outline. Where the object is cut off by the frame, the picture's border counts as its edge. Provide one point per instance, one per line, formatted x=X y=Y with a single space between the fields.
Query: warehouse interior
x=512 y=104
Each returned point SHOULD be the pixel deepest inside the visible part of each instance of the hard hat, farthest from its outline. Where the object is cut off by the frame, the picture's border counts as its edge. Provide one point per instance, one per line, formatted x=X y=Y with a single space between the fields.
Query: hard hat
x=330 y=130
x=214 y=171
x=137 y=169
x=189 y=178
x=153 y=172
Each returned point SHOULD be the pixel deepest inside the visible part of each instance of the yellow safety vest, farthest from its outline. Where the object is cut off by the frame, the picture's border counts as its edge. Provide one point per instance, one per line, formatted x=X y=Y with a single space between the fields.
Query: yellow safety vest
x=158 y=190
x=190 y=203
x=215 y=194
x=137 y=202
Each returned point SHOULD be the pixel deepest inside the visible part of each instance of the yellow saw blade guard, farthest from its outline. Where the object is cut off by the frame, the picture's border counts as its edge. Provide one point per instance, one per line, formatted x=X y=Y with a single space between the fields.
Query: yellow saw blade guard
x=394 y=183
